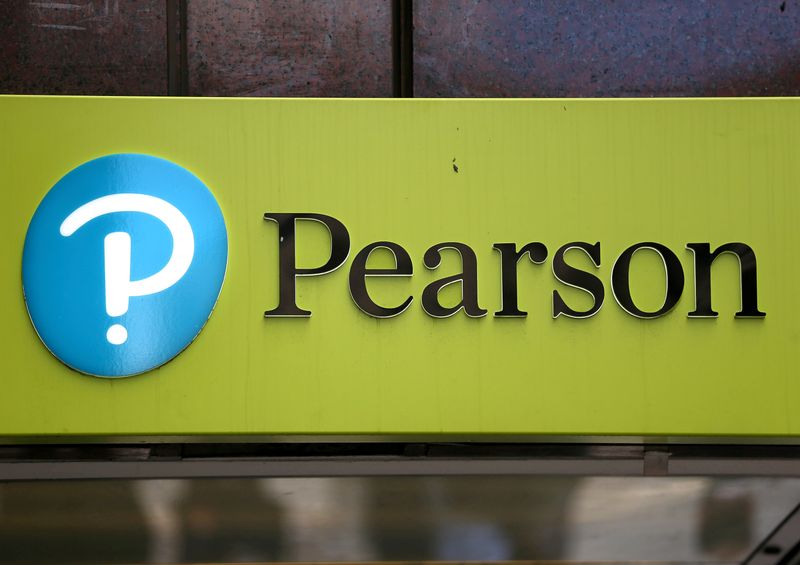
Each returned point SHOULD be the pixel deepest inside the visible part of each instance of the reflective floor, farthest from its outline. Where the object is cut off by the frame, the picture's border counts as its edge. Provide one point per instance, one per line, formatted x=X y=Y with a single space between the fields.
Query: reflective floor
x=390 y=519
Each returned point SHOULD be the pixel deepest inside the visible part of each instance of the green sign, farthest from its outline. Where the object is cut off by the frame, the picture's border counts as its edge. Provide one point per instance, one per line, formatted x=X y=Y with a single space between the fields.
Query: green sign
x=475 y=268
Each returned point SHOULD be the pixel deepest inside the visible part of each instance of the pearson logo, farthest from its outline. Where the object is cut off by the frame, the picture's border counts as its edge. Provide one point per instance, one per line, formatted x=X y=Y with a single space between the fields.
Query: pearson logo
x=123 y=263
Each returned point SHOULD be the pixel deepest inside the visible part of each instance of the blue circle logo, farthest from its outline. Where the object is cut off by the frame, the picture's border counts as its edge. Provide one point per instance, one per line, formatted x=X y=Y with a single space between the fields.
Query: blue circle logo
x=123 y=263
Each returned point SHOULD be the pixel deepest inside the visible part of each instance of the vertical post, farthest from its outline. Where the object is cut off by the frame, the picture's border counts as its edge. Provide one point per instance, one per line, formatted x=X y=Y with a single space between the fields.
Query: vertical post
x=177 y=68
x=402 y=49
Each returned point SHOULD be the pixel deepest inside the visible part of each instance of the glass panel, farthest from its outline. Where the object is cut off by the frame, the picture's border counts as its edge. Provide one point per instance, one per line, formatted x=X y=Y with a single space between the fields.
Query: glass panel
x=83 y=47
x=390 y=518
x=290 y=48
x=606 y=48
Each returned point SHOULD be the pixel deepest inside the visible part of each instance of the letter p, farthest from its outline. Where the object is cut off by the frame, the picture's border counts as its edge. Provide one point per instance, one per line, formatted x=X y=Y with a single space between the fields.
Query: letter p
x=340 y=249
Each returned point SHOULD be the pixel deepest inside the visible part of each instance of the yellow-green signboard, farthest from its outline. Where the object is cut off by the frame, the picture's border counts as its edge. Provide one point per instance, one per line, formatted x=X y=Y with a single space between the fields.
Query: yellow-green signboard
x=473 y=268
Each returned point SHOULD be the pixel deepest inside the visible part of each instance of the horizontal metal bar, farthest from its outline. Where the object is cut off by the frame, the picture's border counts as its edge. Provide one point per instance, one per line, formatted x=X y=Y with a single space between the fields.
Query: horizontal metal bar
x=401 y=438
x=161 y=460
x=325 y=467
x=365 y=466
x=774 y=467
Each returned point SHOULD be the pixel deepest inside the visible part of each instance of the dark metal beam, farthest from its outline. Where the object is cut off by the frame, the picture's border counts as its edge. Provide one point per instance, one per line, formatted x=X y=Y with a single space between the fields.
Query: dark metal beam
x=177 y=67
x=40 y=462
x=402 y=49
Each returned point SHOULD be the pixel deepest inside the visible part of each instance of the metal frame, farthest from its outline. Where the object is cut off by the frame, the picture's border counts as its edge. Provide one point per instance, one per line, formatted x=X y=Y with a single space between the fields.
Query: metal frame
x=471 y=439
x=782 y=546
x=207 y=460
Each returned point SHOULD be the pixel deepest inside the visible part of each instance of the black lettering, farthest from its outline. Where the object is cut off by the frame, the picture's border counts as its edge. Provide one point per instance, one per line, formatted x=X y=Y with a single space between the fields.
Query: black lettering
x=620 y=280
x=468 y=279
x=359 y=273
x=509 y=257
x=288 y=271
x=703 y=258
x=578 y=279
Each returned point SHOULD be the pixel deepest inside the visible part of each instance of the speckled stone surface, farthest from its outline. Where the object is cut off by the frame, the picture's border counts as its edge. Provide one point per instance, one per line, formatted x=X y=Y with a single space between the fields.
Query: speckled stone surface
x=289 y=48
x=83 y=47
x=553 y=48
